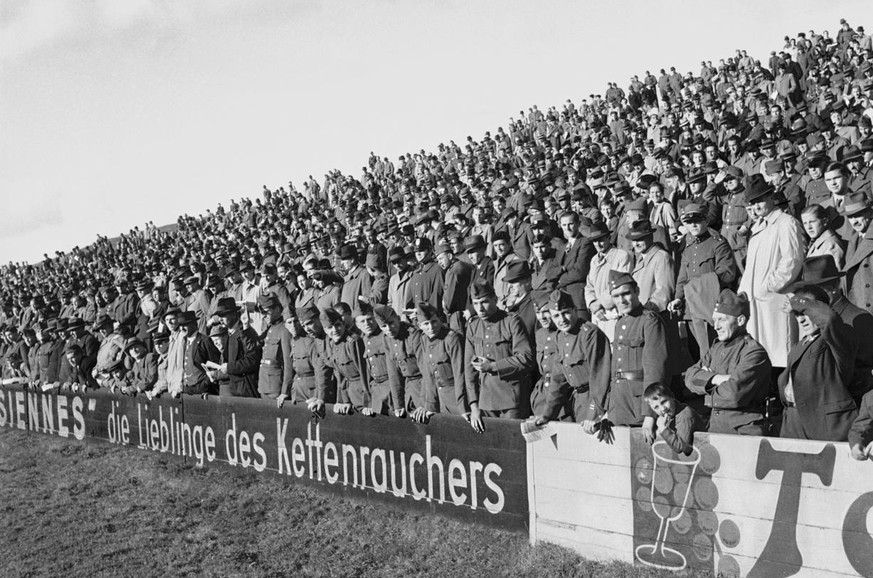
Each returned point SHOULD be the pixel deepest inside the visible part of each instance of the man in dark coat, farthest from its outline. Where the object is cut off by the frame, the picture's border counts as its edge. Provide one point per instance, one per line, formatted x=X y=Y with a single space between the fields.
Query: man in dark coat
x=242 y=356
x=575 y=261
x=815 y=385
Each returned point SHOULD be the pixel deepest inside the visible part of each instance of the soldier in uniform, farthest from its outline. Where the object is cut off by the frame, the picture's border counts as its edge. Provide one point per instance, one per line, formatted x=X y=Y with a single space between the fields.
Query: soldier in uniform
x=706 y=267
x=545 y=341
x=375 y=354
x=580 y=368
x=275 y=374
x=427 y=280
x=735 y=221
x=639 y=356
x=441 y=361
x=344 y=354
x=401 y=344
x=734 y=375
x=306 y=351
x=498 y=361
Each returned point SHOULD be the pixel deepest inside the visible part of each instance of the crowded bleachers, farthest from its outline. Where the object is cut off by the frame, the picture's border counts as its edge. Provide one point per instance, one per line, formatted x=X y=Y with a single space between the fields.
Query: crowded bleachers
x=693 y=245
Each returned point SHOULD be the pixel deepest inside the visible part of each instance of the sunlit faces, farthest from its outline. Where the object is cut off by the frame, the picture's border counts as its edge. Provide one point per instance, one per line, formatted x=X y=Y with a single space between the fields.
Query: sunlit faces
x=313 y=328
x=485 y=306
x=764 y=206
x=335 y=331
x=541 y=250
x=366 y=323
x=806 y=325
x=565 y=319
x=662 y=405
x=835 y=181
x=444 y=259
x=861 y=222
x=727 y=326
x=391 y=327
x=570 y=225
x=430 y=327
x=501 y=248
x=626 y=297
x=813 y=225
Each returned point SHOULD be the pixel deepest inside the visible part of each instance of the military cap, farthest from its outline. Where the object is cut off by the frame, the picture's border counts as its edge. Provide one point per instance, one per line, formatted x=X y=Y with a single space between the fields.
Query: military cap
x=560 y=300
x=541 y=239
x=619 y=278
x=482 y=288
x=540 y=298
x=307 y=314
x=539 y=221
x=362 y=308
x=425 y=311
x=330 y=316
x=226 y=306
x=733 y=172
x=517 y=271
x=267 y=301
x=422 y=244
x=729 y=303
x=853 y=204
x=384 y=314
x=692 y=212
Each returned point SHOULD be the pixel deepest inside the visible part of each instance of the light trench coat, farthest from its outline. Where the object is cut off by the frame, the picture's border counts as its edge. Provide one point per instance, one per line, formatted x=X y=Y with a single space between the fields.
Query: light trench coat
x=773 y=263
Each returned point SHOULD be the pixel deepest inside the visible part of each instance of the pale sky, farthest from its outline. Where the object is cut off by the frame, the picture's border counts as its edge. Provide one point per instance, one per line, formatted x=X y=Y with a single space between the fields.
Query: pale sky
x=118 y=112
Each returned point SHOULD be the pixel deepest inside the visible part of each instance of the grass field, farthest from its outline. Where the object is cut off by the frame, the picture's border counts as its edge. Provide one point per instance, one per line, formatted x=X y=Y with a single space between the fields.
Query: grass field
x=75 y=509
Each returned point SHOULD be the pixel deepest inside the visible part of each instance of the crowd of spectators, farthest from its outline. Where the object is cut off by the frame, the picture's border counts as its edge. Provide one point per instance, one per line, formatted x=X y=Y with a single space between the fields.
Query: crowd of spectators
x=694 y=240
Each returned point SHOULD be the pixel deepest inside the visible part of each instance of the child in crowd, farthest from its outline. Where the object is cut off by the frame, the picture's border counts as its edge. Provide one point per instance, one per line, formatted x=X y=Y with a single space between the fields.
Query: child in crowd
x=676 y=422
